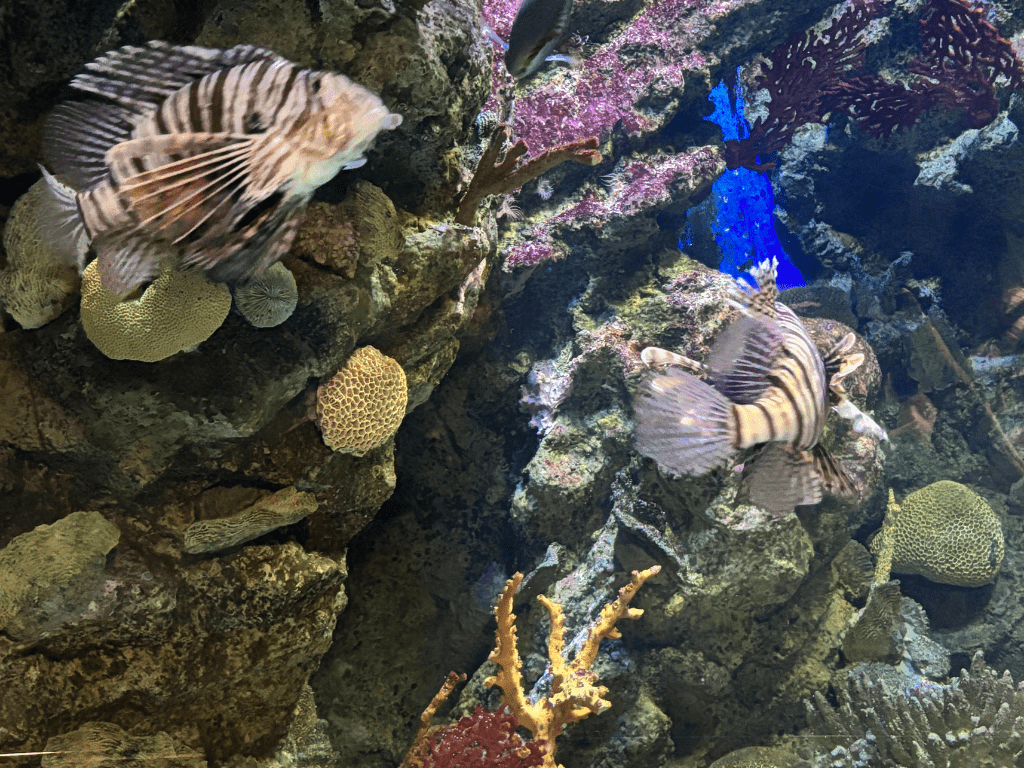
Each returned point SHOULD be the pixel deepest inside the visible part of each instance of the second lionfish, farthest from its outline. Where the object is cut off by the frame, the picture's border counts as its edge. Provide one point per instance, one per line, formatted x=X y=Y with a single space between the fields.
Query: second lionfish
x=770 y=390
x=204 y=155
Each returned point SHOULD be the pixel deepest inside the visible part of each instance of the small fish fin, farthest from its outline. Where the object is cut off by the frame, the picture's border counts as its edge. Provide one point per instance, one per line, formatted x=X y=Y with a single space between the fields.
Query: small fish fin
x=77 y=136
x=127 y=260
x=780 y=478
x=742 y=357
x=188 y=178
x=659 y=359
x=833 y=477
x=839 y=362
x=493 y=36
x=60 y=222
x=568 y=59
x=141 y=78
x=684 y=424
x=860 y=422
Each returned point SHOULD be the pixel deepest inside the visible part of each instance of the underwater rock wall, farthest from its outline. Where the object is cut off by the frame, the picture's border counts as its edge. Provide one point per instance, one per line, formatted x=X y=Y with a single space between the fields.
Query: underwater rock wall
x=239 y=589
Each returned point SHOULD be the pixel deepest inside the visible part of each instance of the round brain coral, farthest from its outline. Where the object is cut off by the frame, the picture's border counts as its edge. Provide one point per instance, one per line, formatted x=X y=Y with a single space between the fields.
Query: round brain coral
x=177 y=311
x=948 y=534
x=362 y=405
x=268 y=299
x=35 y=285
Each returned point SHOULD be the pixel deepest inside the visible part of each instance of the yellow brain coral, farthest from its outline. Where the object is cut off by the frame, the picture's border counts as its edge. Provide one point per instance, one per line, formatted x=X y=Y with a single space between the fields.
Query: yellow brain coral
x=35 y=285
x=362 y=405
x=178 y=311
x=946 y=533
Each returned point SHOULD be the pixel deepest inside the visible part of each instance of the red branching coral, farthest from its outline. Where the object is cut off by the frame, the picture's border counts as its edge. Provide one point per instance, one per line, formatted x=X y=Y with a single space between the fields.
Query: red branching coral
x=811 y=76
x=800 y=76
x=483 y=740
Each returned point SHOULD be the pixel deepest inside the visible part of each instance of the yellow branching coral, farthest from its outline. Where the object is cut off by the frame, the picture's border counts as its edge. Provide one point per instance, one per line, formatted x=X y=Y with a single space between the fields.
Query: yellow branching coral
x=574 y=693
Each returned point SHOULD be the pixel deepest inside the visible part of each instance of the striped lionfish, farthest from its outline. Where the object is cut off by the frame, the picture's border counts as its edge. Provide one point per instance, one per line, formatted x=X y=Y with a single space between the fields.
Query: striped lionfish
x=208 y=155
x=770 y=388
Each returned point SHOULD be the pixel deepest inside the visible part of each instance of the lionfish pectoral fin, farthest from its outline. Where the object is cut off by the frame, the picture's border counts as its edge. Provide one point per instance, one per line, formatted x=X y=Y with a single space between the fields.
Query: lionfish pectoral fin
x=659 y=359
x=743 y=355
x=833 y=477
x=188 y=178
x=781 y=478
x=684 y=424
x=126 y=260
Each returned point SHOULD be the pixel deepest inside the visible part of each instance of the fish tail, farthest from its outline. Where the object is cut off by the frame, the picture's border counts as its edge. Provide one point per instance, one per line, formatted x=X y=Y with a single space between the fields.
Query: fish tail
x=781 y=478
x=60 y=222
x=685 y=424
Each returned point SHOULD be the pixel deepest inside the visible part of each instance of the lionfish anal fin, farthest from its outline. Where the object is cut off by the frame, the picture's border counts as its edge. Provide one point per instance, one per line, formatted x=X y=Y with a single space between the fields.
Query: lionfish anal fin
x=780 y=478
x=833 y=476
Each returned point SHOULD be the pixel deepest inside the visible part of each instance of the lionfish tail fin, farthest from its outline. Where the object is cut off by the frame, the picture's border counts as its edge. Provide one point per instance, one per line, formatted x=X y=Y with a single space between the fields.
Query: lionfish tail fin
x=684 y=424
x=780 y=478
x=61 y=223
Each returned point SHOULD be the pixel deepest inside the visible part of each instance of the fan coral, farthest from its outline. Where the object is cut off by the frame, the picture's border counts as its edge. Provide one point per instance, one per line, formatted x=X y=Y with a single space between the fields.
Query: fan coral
x=574 y=694
x=268 y=299
x=363 y=404
x=177 y=311
x=946 y=533
x=884 y=718
x=35 y=287
x=283 y=508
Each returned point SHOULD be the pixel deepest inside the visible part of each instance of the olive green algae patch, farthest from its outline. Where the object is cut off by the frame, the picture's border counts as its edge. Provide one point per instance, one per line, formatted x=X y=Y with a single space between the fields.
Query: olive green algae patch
x=48 y=575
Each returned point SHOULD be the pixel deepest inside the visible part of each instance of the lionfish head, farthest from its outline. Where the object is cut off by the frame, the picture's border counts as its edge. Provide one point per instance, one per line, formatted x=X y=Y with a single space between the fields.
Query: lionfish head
x=349 y=121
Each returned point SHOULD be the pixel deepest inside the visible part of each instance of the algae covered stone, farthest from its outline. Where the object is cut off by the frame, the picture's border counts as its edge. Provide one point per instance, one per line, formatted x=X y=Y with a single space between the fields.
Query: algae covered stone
x=49 y=574
x=946 y=533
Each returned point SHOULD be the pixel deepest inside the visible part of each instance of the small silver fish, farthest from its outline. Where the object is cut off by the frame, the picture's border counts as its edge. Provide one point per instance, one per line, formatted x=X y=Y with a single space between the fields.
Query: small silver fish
x=536 y=30
x=770 y=388
x=203 y=154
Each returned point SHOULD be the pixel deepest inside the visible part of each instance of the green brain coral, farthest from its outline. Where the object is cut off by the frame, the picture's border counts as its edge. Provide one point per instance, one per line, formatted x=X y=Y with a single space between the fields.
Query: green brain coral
x=946 y=533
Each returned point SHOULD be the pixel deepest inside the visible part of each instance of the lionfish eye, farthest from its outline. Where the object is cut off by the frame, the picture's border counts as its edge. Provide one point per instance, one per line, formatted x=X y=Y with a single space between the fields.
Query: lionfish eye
x=254 y=123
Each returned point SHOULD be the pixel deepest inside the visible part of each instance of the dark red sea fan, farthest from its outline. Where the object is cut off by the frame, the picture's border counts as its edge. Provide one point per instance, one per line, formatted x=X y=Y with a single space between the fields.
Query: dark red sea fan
x=483 y=740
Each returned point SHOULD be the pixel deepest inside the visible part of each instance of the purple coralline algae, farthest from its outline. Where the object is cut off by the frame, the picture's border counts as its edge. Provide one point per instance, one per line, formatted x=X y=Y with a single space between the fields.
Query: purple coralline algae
x=648 y=59
x=638 y=184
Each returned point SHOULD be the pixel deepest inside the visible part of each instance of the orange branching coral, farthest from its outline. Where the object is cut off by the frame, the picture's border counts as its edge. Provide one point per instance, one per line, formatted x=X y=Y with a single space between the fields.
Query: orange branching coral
x=574 y=693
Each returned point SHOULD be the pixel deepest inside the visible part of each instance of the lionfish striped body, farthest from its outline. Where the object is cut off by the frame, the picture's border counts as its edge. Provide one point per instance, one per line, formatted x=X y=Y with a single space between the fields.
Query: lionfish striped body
x=769 y=387
x=201 y=154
